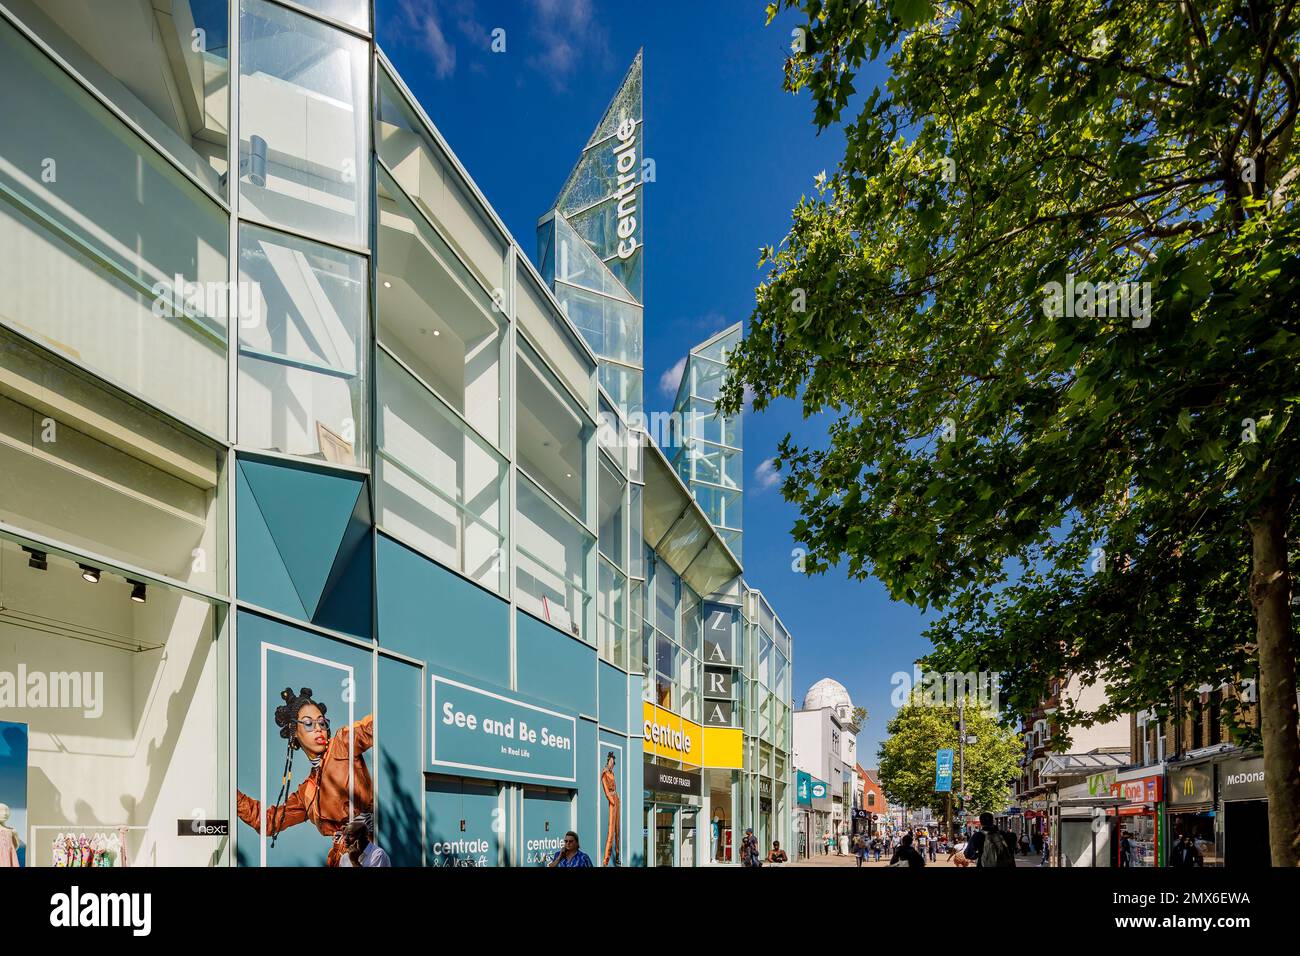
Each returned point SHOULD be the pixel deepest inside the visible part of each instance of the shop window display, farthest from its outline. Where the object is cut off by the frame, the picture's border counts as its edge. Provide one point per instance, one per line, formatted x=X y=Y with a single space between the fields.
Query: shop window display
x=117 y=690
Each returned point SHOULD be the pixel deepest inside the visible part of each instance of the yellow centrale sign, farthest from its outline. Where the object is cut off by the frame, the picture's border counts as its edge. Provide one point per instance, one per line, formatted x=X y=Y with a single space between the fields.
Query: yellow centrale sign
x=674 y=737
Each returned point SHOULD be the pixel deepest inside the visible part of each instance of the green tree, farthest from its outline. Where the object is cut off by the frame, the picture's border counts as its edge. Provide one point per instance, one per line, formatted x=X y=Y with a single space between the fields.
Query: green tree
x=860 y=716
x=1048 y=299
x=918 y=730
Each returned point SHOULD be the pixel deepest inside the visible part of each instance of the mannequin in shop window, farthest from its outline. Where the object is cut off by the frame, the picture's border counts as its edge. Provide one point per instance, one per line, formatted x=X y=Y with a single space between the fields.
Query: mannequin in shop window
x=9 y=841
x=323 y=798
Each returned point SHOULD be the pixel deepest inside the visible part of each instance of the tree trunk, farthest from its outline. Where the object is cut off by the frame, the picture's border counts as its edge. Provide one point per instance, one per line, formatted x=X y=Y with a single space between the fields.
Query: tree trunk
x=1270 y=593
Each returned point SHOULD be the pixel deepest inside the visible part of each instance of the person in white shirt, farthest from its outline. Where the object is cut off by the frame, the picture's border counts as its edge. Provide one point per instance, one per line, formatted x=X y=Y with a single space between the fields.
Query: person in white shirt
x=359 y=850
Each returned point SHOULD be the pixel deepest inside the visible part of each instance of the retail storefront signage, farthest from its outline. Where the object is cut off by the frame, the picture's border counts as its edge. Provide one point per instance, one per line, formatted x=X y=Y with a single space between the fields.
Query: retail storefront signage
x=718 y=629
x=718 y=713
x=1191 y=786
x=820 y=789
x=1143 y=790
x=475 y=729
x=943 y=771
x=663 y=779
x=802 y=788
x=718 y=682
x=1100 y=784
x=1242 y=778
x=187 y=828
x=673 y=737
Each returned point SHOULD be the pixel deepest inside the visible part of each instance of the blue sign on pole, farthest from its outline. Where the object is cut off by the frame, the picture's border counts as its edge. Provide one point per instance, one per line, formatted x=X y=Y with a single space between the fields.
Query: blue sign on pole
x=943 y=771
x=478 y=730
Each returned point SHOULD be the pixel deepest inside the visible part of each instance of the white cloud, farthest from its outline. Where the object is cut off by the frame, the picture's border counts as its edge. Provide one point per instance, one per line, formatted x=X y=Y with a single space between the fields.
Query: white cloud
x=422 y=19
x=765 y=475
x=567 y=33
x=670 y=379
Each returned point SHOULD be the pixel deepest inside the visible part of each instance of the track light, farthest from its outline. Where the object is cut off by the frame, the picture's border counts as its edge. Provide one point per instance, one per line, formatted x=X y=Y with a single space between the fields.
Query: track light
x=37 y=559
x=137 y=591
x=88 y=574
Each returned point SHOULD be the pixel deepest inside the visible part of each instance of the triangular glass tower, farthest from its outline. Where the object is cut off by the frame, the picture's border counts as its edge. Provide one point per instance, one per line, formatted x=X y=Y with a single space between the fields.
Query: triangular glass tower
x=591 y=246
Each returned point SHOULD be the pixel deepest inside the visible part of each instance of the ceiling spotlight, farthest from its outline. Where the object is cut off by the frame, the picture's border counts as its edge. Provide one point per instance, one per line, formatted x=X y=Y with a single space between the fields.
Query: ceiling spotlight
x=567 y=475
x=387 y=284
x=88 y=574
x=37 y=559
x=436 y=332
x=137 y=591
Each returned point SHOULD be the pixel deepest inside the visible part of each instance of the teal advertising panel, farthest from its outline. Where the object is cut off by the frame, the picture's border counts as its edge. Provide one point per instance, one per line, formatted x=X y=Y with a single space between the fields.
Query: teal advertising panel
x=555 y=667
x=464 y=820
x=13 y=781
x=613 y=698
x=943 y=771
x=399 y=772
x=304 y=734
x=491 y=733
x=803 y=788
x=547 y=816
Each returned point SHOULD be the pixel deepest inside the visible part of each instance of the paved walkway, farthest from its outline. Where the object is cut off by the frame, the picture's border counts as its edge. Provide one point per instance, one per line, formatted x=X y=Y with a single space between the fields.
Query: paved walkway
x=1022 y=862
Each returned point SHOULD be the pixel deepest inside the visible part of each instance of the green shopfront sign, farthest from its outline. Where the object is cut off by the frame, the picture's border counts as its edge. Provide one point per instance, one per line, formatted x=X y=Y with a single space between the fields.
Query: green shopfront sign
x=489 y=733
x=803 y=788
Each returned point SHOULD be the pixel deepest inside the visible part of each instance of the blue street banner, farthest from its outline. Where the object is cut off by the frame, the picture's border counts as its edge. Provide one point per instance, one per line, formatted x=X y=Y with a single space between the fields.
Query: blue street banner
x=943 y=771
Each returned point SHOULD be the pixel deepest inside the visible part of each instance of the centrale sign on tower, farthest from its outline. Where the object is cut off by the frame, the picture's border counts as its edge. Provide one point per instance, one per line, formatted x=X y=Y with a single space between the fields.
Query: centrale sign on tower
x=625 y=156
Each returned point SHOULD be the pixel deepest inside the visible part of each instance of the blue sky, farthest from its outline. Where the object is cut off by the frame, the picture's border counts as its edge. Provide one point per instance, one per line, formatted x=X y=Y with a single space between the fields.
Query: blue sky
x=733 y=154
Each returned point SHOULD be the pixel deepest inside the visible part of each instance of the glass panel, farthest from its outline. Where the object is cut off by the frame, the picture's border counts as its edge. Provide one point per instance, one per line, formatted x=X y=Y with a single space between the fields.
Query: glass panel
x=551 y=563
x=303 y=107
x=430 y=179
x=95 y=223
x=612 y=637
x=624 y=386
x=610 y=513
x=690 y=621
x=553 y=433
x=435 y=316
x=166 y=66
x=612 y=434
x=666 y=584
x=706 y=378
x=355 y=13
x=440 y=486
x=636 y=566
x=612 y=328
x=634 y=624
x=764 y=658
x=300 y=354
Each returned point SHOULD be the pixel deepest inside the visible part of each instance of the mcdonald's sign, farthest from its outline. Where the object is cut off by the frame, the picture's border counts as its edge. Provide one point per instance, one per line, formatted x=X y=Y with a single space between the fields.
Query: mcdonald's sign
x=1191 y=786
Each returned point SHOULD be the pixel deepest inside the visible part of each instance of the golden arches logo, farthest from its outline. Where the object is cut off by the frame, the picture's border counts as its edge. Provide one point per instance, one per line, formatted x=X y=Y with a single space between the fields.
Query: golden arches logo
x=1188 y=787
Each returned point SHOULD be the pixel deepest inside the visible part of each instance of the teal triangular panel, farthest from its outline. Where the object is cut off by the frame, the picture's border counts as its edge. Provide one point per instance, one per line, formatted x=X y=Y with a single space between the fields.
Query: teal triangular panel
x=307 y=513
x=262 y=577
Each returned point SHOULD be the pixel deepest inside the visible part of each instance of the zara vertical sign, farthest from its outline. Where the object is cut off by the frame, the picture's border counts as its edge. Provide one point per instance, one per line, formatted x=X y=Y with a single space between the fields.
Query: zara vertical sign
x=719 y=628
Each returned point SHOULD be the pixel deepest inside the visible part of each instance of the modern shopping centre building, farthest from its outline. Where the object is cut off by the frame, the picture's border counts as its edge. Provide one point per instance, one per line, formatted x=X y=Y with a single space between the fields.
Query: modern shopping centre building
x=321 y=498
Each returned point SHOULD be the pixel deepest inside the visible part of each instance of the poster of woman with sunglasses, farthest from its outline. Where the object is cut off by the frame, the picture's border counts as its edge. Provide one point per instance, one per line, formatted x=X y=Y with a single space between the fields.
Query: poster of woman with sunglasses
x=337 y=787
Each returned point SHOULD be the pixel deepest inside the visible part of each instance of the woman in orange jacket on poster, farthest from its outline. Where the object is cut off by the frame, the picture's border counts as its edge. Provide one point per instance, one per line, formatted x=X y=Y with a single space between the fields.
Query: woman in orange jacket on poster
x=609 y=783
x=323 y=798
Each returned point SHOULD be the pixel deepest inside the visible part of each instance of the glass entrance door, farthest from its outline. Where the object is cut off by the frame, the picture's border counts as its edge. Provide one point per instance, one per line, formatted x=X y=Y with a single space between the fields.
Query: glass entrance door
x=665 y=836
x=689 y=817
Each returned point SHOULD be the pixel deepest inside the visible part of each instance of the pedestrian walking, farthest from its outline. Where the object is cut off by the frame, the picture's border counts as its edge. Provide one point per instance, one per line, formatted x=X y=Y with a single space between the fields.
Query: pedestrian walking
x=1184 y=853
x=906 y=854
x=876 y=846
x=571 y=854
x=749 y=855
x=859 y=847
x=990 y=847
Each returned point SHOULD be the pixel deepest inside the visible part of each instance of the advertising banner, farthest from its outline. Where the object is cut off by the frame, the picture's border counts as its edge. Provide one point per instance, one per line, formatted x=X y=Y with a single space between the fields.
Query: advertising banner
x=943 y=771
x=475 y=729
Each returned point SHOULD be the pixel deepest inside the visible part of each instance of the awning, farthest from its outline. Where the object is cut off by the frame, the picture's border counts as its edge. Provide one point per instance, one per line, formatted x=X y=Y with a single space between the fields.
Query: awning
x=1081 y=765
x=680 y=532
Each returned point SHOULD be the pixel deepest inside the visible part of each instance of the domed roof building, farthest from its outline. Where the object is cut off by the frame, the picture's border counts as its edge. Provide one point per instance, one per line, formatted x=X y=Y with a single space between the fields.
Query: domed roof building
x=828 y=692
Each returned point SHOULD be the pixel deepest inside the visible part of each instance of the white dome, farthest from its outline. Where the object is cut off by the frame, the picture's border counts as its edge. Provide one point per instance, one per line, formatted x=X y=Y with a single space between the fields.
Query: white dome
x=828 y=692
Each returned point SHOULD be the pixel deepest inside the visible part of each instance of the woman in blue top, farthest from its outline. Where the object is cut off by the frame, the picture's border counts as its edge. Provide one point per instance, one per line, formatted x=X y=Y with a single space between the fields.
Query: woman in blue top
x=571 y=855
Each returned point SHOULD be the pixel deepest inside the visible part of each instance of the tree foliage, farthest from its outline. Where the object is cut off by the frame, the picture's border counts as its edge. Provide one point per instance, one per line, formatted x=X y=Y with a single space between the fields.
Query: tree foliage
x=1079 y=489
x=917 y=731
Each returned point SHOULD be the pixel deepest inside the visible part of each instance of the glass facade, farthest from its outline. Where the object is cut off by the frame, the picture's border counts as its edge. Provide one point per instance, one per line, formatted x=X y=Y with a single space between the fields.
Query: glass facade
x=706 y=445
x=324 y=354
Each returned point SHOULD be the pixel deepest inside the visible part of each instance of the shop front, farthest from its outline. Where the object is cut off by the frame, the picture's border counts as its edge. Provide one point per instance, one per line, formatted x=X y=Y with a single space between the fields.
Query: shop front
x=1140 y=840
x=692 y=790
x=1190 y=807
x=1244 y=803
